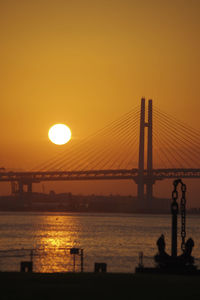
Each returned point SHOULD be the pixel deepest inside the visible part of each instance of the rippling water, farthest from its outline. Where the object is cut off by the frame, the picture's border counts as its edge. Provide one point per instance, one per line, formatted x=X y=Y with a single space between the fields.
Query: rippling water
x=115 y=239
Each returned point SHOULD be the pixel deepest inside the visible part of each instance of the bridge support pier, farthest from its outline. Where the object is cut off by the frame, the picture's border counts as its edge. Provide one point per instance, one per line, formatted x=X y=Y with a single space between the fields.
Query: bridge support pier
x=145 y=201
x=17 y=187
x=23 y=193
x=149 y=193
x=149 y=184
x=140 y=182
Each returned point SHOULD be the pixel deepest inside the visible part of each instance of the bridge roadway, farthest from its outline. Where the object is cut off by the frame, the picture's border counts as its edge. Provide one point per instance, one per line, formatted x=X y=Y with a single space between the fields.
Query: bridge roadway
x=121 y=174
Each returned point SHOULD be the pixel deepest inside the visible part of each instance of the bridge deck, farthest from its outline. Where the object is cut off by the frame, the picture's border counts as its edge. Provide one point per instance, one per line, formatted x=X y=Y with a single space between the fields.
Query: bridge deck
x=121 y=174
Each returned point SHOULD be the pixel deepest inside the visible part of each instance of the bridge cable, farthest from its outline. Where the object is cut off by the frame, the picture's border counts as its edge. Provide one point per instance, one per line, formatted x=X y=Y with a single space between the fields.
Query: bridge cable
x=79 y=148
x=75 y=154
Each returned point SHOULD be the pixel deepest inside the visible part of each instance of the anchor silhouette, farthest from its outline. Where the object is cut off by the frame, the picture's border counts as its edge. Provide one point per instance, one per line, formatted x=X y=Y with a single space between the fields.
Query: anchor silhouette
x=185 y=260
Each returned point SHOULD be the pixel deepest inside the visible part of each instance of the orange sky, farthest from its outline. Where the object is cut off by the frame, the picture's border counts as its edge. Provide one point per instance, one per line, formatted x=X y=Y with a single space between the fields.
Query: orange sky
x=85 y=63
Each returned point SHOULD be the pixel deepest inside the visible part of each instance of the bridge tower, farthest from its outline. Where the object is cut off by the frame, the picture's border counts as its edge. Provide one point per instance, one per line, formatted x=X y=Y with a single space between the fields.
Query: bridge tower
x=145 y=201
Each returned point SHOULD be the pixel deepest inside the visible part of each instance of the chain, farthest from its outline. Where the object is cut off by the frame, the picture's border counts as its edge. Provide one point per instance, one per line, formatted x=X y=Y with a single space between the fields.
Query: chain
x=182 y=208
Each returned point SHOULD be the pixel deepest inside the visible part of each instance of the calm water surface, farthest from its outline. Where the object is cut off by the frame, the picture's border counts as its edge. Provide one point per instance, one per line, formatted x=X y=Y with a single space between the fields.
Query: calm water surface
x=115 y=239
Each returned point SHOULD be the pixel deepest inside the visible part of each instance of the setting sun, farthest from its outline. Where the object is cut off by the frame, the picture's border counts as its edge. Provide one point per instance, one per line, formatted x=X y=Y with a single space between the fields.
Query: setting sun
x=59 y=134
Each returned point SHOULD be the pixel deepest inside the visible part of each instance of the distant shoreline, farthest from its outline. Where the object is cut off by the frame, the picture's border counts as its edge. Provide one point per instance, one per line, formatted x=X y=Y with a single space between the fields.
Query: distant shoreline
x=67 y=202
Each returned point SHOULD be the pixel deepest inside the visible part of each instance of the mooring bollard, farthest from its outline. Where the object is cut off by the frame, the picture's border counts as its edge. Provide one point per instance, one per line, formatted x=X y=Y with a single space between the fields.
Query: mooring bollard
x=26 y=266
x=100 y=267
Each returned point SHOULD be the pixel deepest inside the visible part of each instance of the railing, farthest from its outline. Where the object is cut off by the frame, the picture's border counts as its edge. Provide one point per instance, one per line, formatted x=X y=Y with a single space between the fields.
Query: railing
x=42 y=260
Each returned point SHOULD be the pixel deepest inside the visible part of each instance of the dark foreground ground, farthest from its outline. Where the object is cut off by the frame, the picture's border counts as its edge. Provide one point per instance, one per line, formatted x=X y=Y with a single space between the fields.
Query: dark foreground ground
x=98 y=286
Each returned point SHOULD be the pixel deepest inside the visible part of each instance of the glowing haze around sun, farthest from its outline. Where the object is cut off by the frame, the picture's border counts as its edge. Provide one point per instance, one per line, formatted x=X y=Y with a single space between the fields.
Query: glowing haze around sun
x=59 y=134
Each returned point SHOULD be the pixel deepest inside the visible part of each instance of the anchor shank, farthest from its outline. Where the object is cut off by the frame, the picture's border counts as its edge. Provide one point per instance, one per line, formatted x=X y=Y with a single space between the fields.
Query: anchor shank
x=174 y=210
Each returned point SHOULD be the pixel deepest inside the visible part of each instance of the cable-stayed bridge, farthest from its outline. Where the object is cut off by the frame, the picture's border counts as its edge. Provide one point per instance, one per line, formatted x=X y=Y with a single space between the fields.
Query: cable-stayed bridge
x=144 y=145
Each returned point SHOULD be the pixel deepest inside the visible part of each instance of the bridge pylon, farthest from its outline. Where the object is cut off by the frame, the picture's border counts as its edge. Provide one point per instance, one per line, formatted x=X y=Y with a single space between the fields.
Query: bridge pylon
x=145 y=199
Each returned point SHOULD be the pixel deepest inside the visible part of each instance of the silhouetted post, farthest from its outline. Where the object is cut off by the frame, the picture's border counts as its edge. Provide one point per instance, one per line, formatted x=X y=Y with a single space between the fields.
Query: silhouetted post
x=74 y=252
x=149 y=184
x=141 y=155
x=74 y=262
x=81 y=260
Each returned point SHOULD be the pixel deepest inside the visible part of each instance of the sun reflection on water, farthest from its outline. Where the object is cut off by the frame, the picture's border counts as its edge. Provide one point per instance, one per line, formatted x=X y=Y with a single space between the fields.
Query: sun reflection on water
x=53 y=247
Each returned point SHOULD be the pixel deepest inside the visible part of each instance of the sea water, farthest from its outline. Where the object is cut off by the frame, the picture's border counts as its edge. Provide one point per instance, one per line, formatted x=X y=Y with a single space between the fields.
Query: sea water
x=114 y=239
